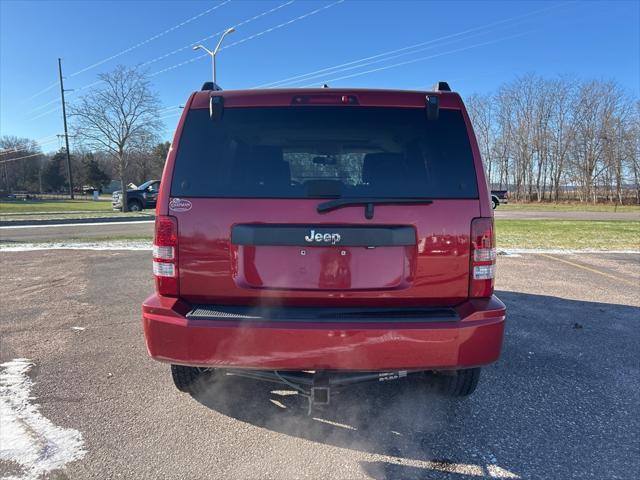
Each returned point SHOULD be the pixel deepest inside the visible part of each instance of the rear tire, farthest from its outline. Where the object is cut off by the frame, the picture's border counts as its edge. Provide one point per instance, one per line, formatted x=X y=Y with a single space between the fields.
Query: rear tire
x=190 y=380
x=461 y=384
x=134 y=206
x=494 y=203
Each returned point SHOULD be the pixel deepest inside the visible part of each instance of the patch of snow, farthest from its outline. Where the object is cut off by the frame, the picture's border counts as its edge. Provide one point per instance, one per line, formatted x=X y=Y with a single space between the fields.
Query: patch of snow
x=498 y=472
x=79 y=329
x=105 y=245
x=28 y=438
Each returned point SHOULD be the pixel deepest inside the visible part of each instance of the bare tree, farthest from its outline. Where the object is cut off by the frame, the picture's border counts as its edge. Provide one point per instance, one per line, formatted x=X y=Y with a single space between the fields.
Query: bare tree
x=550 y=138
x=632 y=148
x=118 y=119
x=21 y=161
x=481 y=111
x=561 y=132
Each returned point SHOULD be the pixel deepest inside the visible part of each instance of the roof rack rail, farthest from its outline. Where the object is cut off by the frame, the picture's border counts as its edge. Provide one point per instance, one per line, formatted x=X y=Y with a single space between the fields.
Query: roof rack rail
x=210 y=86
x=441 y=87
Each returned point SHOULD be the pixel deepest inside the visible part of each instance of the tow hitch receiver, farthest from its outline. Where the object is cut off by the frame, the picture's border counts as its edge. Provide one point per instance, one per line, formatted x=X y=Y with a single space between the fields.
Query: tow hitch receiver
x=319 y=386
x=320 y=389
x=320 y=396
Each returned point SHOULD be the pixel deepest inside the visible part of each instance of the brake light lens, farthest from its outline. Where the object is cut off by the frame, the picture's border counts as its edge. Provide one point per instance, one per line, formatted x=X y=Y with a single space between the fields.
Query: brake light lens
x=165 y=242
x=483 y=258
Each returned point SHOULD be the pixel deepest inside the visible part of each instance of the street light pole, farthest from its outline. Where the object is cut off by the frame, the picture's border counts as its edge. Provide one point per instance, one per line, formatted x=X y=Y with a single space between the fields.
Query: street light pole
x=213 y=53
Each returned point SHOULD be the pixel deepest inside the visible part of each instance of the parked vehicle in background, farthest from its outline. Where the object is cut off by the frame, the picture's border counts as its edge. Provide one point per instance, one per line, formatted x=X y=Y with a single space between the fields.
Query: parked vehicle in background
x=141 y=198
x=498 y=197
x=324 y=237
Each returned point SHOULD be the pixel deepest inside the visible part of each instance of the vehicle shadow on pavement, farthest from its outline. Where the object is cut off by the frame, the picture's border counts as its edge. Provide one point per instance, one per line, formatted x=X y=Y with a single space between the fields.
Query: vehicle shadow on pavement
x=552 y=407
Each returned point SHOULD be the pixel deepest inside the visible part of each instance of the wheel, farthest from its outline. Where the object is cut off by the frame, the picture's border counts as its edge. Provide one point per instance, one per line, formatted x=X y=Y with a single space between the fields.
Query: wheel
x=462 y=384
x=134 y=206
x=192 y=380
x=494 y=203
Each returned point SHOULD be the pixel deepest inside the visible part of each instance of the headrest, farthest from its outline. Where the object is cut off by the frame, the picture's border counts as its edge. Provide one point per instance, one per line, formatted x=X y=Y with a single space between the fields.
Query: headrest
x=383 y=167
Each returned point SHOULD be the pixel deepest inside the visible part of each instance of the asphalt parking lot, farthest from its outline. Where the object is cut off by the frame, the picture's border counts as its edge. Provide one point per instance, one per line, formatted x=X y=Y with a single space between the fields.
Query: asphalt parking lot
x=563 y=402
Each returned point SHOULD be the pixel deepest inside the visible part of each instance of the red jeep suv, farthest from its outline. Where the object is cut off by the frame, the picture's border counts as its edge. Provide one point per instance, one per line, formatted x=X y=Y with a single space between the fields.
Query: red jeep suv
x=323 y=237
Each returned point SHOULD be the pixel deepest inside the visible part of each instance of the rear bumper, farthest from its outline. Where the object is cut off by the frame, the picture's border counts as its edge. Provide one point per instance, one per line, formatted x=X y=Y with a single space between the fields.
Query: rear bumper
x=474 y=339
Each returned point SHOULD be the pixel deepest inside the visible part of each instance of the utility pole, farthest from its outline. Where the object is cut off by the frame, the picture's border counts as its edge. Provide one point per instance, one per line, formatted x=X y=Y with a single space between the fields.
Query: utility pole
x=66 y=133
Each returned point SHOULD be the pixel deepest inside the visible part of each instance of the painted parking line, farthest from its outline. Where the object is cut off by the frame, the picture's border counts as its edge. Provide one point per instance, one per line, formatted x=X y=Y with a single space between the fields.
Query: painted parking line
x=589 y=269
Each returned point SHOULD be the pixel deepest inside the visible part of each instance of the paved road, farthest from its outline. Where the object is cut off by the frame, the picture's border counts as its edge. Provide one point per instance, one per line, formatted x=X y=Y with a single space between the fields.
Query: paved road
x=562 y=403
x=67 y=232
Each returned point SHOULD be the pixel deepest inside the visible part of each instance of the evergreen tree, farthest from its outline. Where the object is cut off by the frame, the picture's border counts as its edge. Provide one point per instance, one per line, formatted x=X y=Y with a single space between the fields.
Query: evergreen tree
x=53 y=178
x=94 y=175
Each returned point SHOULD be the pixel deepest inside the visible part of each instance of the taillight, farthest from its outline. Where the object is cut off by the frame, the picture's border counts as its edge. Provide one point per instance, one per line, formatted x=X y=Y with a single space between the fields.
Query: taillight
x=483 y=257
x=165 y=252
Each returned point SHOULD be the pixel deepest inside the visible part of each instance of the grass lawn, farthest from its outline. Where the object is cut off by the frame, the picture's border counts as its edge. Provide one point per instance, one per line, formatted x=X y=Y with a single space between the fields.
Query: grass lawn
x=569 y=207
x=53 y=206
x=568 y=234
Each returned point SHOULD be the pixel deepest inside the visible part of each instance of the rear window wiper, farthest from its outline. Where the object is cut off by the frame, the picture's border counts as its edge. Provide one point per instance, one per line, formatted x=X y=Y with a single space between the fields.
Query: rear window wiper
x=369 y=203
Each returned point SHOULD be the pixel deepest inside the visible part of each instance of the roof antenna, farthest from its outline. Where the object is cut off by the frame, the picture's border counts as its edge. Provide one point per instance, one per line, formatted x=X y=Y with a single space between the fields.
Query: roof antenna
x=325 y=85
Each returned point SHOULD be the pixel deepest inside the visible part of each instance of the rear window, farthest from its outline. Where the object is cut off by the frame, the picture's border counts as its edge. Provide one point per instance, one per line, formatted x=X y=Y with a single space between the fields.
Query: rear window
x=308 y=152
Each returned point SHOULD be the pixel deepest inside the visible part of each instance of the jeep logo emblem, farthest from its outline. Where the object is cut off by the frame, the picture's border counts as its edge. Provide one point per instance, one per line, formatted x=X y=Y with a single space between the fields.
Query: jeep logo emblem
x=318 y=237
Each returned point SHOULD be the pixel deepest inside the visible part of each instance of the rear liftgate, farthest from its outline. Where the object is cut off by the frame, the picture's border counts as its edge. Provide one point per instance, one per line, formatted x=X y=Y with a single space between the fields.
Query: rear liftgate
x=317 y=386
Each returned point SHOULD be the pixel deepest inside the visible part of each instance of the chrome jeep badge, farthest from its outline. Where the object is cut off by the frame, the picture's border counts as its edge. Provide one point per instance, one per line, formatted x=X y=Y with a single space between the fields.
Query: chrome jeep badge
x=317 y=237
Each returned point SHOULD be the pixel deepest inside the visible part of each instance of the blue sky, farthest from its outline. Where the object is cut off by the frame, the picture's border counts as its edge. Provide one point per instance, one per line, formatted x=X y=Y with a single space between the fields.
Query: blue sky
x=474 y=45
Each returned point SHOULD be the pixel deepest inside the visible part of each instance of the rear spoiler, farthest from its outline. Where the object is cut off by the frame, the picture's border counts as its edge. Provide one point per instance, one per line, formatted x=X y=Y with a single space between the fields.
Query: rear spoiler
x=441 y=87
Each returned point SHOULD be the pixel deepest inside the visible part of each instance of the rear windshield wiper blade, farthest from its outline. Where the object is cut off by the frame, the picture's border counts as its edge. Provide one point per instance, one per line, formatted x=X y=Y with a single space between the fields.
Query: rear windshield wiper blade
x=369 y=203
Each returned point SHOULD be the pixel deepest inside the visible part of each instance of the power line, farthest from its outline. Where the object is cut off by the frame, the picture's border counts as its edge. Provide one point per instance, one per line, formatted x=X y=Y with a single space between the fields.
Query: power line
x=41 y=106
x=179 y=105
x=202 y=40
x=251 y=37
x=289 y=22
x=38 y=140
x=168 y=111
x=290 y=80
x=8 y=151
x=40 y=92
x=293 y=20
x=21 y=158
x=172 y=115
x=144 y=42
x=385 y=59
x=57 y=108
x=150 y=39
x=426 y=58
x=244 y=22
x=40 y=115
